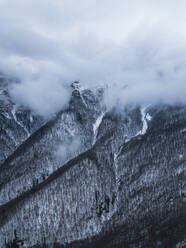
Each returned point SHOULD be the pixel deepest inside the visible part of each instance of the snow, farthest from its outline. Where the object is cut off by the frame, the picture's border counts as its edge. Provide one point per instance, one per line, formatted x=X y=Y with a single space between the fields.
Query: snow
x=145 y=117
x=180 y=156
x=83 y=100
x=148 y=117
x=144 y=121
x=1 y=92
x=31 y=118
x=18 y=122
x=96 y=126
x=6 y=115
x=117 y=176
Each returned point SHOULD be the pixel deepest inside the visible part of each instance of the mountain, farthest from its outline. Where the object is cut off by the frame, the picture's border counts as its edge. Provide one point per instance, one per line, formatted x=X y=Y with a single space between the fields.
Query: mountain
x=92 y=177
x=17 y=123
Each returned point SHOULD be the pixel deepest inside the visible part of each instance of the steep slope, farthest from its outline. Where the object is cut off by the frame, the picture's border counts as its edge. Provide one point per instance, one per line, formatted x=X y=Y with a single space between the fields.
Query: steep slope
x=123 y=187
x=16 y=122
x=67 y=134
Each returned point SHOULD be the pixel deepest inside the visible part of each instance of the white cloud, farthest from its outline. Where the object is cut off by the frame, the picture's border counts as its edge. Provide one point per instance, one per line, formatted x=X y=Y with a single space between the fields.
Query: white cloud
x=138 y=43
x=67 y=149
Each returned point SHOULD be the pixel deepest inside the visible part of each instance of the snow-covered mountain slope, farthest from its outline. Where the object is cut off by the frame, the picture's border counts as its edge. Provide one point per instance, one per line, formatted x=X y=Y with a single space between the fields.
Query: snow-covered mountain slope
x=69 y=133
x=96 y=178
x=16 y=122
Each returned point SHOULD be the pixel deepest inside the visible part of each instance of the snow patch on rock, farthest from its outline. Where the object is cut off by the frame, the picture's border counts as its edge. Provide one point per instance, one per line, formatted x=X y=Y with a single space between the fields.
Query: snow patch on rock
x=145 y=117
x=96 y=126
x=18 y=122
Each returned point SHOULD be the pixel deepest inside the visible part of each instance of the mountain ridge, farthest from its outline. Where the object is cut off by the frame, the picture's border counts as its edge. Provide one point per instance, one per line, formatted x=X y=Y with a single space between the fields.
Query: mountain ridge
x=121 y=185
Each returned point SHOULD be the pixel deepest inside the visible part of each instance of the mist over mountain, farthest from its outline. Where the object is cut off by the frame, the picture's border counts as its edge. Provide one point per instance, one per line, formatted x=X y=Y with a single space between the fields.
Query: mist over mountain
x=92 y=124
x=49 y=45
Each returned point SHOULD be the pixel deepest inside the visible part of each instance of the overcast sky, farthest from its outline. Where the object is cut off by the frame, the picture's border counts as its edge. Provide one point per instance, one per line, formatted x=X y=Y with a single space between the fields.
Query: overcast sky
x=139 y=43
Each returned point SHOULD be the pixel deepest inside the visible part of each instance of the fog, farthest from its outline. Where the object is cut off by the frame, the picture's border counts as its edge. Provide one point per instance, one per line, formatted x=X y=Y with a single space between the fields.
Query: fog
x=65 y=150
x=136 y=48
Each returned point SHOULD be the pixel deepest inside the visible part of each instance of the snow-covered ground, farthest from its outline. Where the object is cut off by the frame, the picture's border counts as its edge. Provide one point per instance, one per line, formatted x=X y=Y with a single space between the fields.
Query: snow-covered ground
x=96 y=126
x=145 y=117
x=18 y=122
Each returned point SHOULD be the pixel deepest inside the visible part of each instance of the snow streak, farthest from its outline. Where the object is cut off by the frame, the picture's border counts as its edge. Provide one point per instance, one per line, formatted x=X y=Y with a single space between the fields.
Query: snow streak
x=96 y=126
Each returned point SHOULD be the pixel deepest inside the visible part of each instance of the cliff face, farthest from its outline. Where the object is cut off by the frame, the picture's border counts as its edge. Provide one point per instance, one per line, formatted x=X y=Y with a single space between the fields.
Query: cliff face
x=96 y=178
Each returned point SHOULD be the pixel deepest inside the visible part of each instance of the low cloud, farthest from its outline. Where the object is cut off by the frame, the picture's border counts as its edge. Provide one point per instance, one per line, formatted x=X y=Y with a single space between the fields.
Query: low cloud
x=40 y=96
x=47 y=45
x=67 y=149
